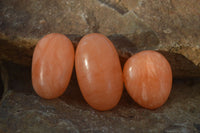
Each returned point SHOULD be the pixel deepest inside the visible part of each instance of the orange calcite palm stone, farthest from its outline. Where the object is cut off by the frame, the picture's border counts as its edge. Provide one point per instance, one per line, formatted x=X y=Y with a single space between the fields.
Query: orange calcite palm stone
x=99 y=71
x=148 y=78
x=52 y=65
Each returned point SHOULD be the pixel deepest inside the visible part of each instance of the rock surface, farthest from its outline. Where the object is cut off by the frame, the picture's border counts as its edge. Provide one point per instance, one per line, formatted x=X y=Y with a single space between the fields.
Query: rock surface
x=171 y=27
x=133 y=25
x=23 y=111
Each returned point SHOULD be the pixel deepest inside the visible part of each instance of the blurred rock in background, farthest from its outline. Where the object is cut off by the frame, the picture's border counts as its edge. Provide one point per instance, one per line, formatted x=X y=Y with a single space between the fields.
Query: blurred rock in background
x=170 y=26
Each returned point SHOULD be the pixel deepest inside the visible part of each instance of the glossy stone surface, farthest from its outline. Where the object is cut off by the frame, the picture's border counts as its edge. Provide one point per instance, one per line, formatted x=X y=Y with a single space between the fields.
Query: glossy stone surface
x=52 y=65
x=99 y=71
x=148 y=78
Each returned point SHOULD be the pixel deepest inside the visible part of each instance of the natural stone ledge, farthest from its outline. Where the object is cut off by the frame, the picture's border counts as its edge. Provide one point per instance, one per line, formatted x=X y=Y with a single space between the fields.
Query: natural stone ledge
x=22 y=110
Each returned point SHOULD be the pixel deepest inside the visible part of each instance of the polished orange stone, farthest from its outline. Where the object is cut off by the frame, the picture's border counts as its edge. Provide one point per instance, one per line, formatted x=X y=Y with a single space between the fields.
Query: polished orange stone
x=52 y=65
x=99 y=71
x=148 y=78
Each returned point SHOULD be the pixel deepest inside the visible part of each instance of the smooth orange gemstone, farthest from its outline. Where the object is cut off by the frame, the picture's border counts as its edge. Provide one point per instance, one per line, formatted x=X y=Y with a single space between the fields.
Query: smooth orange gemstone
x=148 y=78
x=52 y=65
x=99 y=71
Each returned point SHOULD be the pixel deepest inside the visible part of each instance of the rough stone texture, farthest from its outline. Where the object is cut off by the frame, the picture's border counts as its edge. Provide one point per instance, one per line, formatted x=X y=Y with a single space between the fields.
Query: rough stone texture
x=22 y=111
x=176 y=24
x=171 y=26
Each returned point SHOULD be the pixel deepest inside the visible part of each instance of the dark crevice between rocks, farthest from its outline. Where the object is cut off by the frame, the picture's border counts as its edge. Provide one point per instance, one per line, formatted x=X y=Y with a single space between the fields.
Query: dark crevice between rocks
x=11 y=52
x=17 y=77
x=72 y=95
x=181 y=66
x=197 y=126
x=74 y=38
x=1 y=87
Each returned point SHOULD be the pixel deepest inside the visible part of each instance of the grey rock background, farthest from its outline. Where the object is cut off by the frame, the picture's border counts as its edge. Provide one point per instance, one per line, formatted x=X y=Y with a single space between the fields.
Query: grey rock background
x=171 y=27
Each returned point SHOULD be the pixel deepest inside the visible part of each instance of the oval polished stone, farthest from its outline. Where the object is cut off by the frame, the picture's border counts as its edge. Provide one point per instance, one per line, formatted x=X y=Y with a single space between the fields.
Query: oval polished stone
x=99 y=71
x=52 y=65
x=148 y=78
